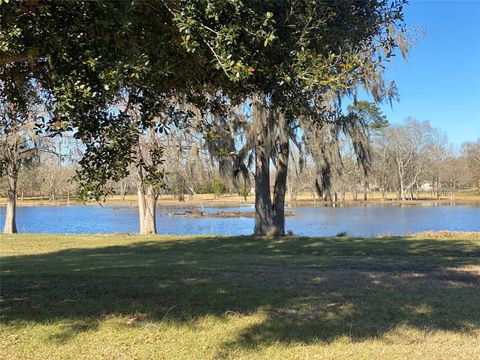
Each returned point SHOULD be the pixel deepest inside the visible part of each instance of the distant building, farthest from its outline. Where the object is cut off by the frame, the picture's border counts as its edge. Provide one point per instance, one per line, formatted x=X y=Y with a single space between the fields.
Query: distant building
x=426 y=186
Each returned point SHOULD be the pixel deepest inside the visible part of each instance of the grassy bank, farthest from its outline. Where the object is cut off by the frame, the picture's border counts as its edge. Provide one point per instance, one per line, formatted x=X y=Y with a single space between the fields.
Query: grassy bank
x=132 y=297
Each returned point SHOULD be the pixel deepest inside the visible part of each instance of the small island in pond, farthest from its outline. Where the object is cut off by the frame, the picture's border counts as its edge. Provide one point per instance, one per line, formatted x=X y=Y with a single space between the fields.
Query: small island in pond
x=220 y=214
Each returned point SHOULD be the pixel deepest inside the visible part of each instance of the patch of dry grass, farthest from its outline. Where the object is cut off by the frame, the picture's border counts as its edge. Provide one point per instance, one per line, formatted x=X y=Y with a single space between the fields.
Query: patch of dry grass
x=472 y=235
x=306 y=198
x=143 y=297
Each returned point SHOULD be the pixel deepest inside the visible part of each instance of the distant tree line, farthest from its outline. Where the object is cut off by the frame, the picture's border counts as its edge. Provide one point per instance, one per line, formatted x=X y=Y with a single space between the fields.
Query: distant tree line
x=406 y=159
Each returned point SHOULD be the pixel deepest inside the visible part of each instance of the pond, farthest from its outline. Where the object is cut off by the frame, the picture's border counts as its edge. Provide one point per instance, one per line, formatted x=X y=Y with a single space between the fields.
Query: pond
x=361 y=220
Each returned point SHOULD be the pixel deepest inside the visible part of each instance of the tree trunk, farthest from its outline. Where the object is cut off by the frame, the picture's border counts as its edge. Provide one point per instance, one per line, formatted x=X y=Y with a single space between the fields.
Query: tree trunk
x=263 y=202
x=270 y=214
x=400 y=173
x=10 y=226
x=141 y=204
x=149 y=220
x=123 y=189
x=318 y=190
x=147 y=201
x=280 y=186
x=403 y=195
x=365 y=190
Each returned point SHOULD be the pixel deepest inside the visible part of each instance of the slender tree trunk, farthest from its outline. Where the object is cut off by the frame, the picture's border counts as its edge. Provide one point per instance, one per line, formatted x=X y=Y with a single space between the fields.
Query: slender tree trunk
x=403 y=194
x=318 y=190
x=401 y=189
x=147 y=204
x=123 y=189
x=365 y=190
x=141 y=196
x=149 y=221
x=10 y=226
x=141 y=204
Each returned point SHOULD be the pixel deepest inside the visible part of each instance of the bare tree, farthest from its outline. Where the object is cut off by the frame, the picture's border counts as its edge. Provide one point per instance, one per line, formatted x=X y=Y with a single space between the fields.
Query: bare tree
x=436 y=156
x=301 y=176
x=407 y=147
x=453 y=171
x=471 y=153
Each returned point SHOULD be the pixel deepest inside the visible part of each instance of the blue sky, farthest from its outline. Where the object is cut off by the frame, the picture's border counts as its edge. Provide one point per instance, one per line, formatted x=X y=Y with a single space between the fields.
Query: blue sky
x=440 y=82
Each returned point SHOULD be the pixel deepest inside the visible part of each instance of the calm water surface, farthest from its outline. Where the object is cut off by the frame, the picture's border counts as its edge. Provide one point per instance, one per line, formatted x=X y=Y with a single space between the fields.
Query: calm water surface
x=363 y=220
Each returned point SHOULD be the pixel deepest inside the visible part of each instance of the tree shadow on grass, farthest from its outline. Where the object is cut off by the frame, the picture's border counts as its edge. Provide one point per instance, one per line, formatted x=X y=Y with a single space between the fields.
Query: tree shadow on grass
x=309 y=289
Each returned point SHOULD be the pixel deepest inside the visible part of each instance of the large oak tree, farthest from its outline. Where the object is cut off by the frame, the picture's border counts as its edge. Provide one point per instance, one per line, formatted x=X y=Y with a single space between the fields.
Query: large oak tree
x=290 y=61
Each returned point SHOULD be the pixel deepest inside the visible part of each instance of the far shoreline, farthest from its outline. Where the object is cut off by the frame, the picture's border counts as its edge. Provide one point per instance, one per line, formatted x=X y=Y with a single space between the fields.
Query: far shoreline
x=229 y=200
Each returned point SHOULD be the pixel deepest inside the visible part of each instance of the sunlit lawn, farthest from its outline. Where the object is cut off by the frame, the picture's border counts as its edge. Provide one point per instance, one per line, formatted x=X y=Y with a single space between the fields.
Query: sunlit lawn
x=132 y=297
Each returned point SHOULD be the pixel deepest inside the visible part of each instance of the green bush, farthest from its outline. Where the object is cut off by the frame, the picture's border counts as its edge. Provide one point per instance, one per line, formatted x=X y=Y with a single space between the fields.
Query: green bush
x=218 y=188
x=205 y=188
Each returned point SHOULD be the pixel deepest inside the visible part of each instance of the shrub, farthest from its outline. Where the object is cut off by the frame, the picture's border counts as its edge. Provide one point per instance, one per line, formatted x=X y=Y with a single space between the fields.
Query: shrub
x=218 y=188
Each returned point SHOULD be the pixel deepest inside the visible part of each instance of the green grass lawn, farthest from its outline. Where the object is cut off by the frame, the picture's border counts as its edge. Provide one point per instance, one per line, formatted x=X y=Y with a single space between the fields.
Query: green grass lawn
x=133 y=297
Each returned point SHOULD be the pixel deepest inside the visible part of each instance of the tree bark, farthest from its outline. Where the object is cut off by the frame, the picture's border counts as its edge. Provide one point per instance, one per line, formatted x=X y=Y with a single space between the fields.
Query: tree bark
x=147 y=202
x=400 y=173
x=318 y=190
x=141 y=205
x=263 y=202
x=270 y=213
x=403 y=195
x=10 y=226
x=149 y=221
x=123 y=189
x=280 y=187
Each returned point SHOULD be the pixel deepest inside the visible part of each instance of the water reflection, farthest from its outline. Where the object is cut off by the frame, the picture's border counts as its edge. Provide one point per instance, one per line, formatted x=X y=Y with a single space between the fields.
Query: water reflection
x=318 y=220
